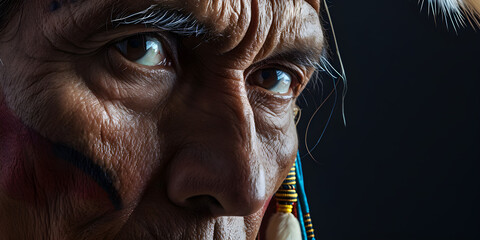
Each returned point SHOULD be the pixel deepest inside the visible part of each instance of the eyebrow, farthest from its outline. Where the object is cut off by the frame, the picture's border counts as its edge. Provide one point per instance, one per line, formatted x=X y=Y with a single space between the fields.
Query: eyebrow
x=302 y=57
x=171 y=20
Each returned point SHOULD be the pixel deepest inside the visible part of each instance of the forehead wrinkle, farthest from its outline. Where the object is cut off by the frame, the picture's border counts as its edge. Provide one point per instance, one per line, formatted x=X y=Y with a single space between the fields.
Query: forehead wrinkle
x=78 y=15
x=275 y=27
x=250 y=36
x=295 y=25
x=231 y=18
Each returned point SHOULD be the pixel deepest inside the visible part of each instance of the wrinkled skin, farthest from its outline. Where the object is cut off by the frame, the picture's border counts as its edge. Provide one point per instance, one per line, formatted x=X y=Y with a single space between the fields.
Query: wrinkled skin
x=194 y=150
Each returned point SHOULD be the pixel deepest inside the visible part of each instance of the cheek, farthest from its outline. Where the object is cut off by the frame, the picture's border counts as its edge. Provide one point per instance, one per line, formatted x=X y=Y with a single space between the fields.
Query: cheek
x=116 y=79
x=279 y=145
x=30 y=171
x=277 y=133
x=13 y=135
x=76 y=112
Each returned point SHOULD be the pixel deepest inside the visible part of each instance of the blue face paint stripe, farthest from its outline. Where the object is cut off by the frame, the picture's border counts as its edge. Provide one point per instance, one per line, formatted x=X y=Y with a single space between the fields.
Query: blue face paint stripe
x=54 y=6
x=57 y=4
x=102 y=177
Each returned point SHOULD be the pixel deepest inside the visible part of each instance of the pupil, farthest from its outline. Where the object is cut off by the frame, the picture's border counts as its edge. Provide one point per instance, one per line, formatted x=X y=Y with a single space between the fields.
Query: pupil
x=136 y=48
x=135 y=42
x=268 y=78
x=266 y=74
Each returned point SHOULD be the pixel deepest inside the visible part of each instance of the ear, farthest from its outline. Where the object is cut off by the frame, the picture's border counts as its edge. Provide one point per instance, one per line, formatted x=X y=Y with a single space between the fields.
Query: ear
x=459 y=12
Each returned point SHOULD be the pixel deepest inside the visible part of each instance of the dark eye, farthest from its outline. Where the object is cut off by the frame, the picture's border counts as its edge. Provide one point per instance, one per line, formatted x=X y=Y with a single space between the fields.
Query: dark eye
x=143 y=49
x=272 y=79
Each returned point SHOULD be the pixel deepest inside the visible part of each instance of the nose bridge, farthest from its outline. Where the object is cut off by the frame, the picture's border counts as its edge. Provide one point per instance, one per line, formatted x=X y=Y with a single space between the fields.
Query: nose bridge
x=219 y=159
x=227 y=108
x=220 y=103
x=227 y=127
x=229 y=123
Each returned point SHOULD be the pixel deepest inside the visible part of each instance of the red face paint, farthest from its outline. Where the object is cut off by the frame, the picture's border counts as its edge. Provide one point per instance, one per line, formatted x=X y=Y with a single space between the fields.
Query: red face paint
x=268 y=210
x=30 y=171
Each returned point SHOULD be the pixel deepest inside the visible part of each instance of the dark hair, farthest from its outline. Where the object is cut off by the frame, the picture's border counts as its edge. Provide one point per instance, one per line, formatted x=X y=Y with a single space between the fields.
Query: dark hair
x=7 y=9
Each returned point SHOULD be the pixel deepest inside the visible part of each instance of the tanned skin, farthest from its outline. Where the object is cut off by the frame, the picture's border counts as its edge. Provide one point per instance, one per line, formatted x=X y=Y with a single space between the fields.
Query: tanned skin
x=95 y=146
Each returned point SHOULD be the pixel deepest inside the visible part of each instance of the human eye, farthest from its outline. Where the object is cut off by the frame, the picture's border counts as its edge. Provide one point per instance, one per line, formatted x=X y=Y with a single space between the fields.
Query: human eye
x=144 y=49
x=273 y=80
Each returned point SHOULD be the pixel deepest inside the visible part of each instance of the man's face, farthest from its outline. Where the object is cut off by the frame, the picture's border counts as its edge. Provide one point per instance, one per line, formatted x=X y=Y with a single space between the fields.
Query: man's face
x=142 y=119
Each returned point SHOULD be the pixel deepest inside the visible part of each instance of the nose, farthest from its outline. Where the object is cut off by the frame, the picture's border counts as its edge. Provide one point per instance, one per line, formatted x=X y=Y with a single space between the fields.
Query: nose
x=216 y=167
x=218 y=185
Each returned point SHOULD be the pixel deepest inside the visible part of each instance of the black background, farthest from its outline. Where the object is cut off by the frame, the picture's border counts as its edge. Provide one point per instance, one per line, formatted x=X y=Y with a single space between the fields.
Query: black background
x=406 y=166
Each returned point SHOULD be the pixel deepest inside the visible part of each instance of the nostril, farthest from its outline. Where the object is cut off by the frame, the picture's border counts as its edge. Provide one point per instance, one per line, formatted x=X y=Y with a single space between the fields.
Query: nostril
x=205 y=203
x=203 y=200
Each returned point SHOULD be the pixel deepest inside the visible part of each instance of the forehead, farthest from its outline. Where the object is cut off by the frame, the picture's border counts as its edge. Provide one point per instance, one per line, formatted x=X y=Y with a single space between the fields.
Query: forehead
x=264 y=25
